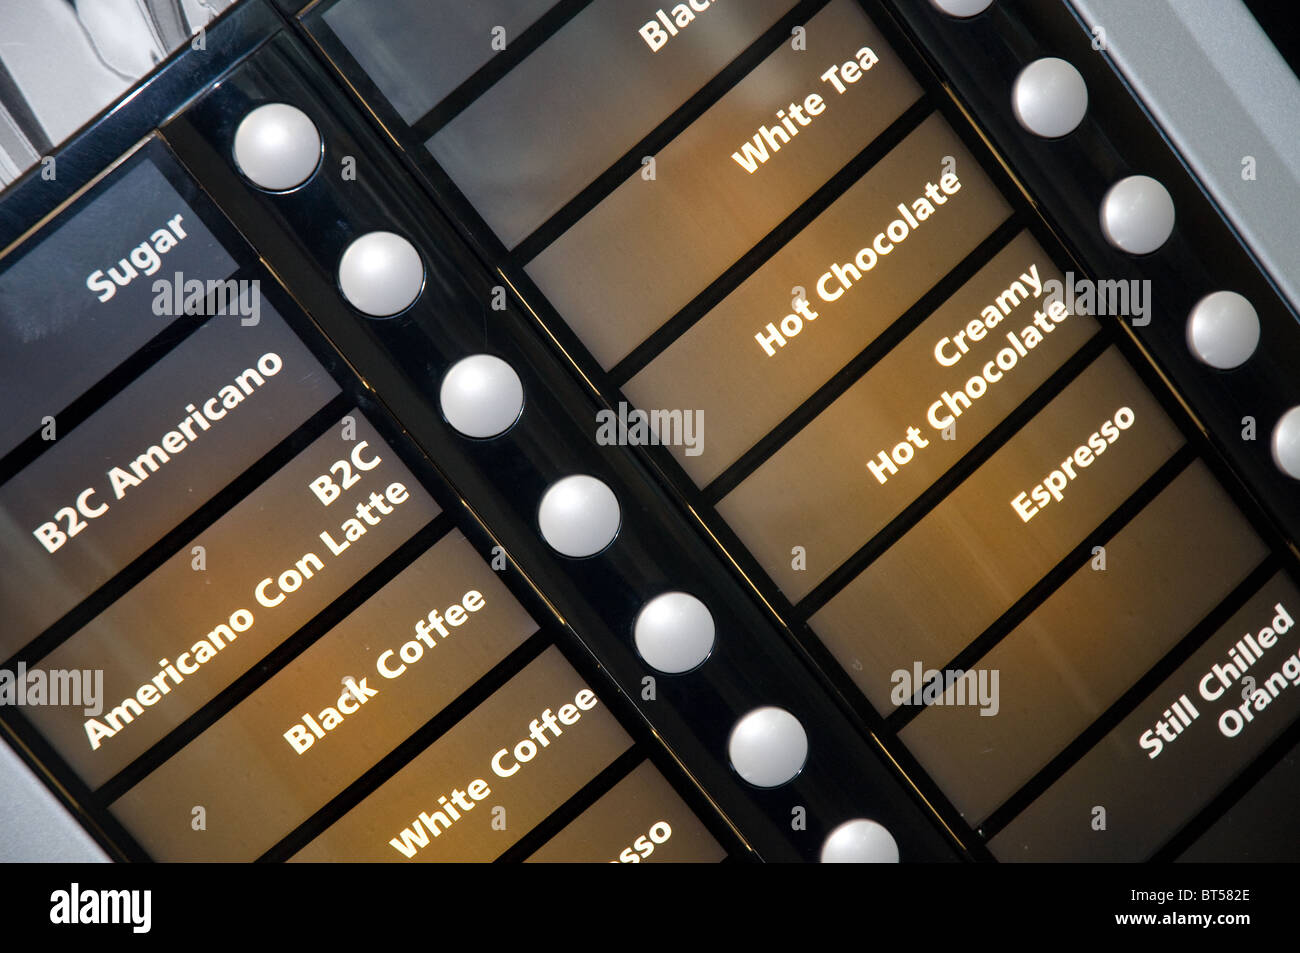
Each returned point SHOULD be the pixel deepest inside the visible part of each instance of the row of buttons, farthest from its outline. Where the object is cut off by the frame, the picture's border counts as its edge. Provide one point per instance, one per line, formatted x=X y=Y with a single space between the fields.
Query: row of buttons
x=1050 y=98
x=278 y=148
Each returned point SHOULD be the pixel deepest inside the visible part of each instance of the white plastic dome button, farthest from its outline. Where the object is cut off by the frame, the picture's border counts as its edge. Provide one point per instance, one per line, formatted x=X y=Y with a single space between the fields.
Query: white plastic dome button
x=381 y=274
x=1049 y=97
x=1137 y=215
x=277 y=147
x=768 y=747
x=962 y=8
x=1286 y=443
x=481 y=396
x=1223 y=330
x=674 y=632
x=859 y=842
x=579 y=516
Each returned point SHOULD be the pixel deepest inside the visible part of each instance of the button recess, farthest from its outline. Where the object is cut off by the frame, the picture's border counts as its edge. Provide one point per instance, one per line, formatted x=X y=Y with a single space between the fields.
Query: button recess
x=579 y=516
x=381 y=274
x=962 y=8
x=1223 y=330
x=481 y=396
x=768 y=747
x=1137 y=215
x=277 y=147
x=1049 y=97
x=859 y=841
x=1286 y=443
x=674 y=632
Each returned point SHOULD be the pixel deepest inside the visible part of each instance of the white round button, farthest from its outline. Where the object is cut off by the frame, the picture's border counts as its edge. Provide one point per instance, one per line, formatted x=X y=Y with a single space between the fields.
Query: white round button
x=1223 y=330
x=962 y=8
x=381 y=274
x=579 y=516
x=674 y=632
x=1286 y=443
x=1137 y=215
x=481 y=396
x=768 y=747
x=859 y=842
x=277 y=147
x=1049 y=97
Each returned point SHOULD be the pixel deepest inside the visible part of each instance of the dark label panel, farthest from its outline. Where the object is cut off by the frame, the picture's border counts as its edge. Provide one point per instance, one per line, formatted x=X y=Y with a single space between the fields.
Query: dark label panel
x=749 y=161
x=641 y=820
x=1262 y=828
x=1005 y=526
x=81 y=300
x=148 y=458
x=487 y=781
x=582 y=99
x=418 y=51
x=1178 y=748
x=886 y=439
x=385 y=670
x=276 y=559
x=1057 y=671
x=758 y=355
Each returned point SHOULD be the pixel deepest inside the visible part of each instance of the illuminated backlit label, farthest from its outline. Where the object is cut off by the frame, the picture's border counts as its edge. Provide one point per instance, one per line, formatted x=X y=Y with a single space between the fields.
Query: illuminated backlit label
x=182 y=634
x=487 y=781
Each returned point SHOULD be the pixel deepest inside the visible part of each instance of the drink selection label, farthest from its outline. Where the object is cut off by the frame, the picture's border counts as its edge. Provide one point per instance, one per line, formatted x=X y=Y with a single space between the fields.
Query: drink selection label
x=827 y=294
x=1178 y=748
x=77 y=300
x=642 y=820
x=578 y=102
x=907 y=420
x=231 y=595
x=333 y=712
x=966 y=561
x=418 y=51
x=147 y=459
x=750 y=160
x=489 y=780
x=1087 y=643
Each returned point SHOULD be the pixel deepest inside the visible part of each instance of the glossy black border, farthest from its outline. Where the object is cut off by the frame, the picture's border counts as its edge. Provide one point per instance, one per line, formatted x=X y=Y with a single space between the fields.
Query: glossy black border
x=93 y=806
x=660 y=545
x=967 y=67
